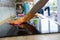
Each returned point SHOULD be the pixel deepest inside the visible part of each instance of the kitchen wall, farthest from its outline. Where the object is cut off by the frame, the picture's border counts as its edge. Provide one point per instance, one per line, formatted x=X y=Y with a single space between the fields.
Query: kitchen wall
x=7 y=8
x=6 y=12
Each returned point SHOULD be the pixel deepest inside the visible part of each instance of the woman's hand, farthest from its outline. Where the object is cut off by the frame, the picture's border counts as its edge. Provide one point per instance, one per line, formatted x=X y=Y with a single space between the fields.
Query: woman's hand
x=16 y=22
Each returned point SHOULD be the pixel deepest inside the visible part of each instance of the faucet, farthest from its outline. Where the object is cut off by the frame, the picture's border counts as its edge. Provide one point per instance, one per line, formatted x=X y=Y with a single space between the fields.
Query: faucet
x=47 y=8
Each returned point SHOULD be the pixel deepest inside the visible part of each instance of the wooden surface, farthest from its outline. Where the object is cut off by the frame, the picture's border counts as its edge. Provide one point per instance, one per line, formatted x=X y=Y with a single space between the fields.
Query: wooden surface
x=35 y=37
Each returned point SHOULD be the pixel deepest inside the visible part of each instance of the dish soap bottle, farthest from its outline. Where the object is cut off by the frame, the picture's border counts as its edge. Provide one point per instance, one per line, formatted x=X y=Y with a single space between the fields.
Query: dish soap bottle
x=26 y=7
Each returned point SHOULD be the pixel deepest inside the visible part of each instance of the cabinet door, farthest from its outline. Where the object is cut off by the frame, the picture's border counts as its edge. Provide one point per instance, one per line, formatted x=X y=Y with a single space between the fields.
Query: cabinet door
x=44 y=26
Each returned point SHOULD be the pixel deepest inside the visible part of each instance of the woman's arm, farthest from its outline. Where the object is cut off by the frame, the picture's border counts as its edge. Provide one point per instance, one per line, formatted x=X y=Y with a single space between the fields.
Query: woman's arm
x=32 y=12
x=35 y=8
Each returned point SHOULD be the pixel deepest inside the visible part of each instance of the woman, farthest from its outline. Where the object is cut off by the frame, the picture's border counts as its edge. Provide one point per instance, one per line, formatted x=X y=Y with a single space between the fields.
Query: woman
x=31 y=13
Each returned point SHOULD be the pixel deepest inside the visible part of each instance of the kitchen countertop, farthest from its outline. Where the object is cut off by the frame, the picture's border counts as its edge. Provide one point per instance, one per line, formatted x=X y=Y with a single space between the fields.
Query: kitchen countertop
x=35 y=37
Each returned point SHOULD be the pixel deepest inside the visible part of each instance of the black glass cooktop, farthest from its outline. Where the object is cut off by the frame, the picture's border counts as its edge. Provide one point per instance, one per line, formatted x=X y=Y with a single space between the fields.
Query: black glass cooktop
x=33 y=27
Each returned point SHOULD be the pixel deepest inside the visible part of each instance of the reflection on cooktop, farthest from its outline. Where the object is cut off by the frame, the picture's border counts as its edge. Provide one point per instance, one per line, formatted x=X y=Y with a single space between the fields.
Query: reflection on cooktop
x=27 y=30
x=8 y=30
